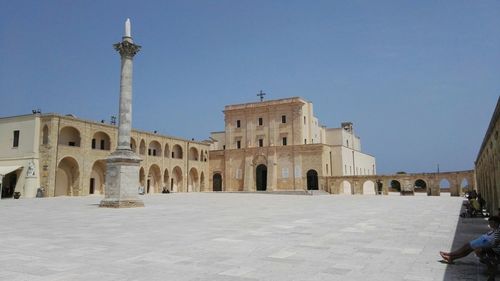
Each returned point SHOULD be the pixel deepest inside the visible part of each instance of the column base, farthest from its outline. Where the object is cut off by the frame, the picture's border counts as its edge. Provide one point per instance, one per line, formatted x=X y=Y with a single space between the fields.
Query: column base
x=121 y=203
x=122 y=181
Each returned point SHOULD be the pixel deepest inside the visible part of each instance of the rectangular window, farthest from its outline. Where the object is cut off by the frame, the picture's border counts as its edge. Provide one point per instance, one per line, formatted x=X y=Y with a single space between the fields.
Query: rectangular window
x=93 y=143
x=154 y=152
x=149 y=151
x=15 y=142
x=283 y=118
x=224 y=147
x=71 y=143
x=284 y=140
x=260 y=121
x=261 y=142
x=238 y=123
x=102 y=144
x=238 y=144
x=304 y=120
x=305 y=141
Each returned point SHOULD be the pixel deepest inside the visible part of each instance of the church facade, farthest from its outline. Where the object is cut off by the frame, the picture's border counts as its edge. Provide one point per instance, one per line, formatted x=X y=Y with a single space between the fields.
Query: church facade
x=279 y=145
x=67 y=157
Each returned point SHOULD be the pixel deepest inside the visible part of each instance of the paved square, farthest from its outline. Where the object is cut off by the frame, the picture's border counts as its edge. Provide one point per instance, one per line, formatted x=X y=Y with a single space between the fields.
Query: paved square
x=231 y=236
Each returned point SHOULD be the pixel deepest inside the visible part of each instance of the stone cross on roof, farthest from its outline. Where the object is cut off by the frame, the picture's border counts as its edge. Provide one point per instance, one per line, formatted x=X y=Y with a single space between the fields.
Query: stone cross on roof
x=261 y=95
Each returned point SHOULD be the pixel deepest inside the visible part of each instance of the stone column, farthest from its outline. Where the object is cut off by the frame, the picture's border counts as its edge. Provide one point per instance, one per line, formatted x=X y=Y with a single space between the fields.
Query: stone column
x=122 y=166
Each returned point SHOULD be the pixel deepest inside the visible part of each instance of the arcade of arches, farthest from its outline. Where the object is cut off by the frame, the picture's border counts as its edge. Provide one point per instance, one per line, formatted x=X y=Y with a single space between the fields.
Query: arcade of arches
x=78 y=149
x=452 y=183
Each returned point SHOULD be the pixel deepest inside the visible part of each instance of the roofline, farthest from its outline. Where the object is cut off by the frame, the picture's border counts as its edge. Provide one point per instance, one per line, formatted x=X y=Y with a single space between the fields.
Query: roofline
x=263 y=103
x=494 y=118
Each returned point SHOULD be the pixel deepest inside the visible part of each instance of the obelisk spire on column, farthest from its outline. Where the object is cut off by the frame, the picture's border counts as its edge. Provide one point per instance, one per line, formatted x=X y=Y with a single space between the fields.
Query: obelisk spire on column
x=122 y=166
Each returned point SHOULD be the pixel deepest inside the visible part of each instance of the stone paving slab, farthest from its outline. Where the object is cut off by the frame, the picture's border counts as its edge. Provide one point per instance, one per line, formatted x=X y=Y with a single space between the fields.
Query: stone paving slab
x=237 y=237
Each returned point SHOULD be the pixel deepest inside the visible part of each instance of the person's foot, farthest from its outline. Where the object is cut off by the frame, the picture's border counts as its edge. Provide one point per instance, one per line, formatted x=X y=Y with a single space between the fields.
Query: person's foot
x=446 y=257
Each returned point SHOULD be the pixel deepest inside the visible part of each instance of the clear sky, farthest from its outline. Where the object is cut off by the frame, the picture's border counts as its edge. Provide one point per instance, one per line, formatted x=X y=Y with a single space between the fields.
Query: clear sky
x=419 y=79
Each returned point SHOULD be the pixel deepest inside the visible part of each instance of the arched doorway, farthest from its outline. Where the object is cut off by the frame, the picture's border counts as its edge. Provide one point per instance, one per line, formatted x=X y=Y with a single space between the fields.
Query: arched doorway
x=261 y=177
x=369 y=188
x=217 y=182
x=193 y=180
x=67 y=176
x=345 y=186
x=312 y=180
x=176 y=180
x=9 y=184
x=154 y=179
x=97 y=177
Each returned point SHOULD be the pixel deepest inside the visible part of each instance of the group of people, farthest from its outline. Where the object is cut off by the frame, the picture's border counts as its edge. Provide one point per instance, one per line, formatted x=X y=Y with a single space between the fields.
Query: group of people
x=474 y=206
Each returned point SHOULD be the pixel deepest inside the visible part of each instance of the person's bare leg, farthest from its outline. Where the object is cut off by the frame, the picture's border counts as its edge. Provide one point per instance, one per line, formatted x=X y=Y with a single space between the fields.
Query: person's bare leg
x=460 y=253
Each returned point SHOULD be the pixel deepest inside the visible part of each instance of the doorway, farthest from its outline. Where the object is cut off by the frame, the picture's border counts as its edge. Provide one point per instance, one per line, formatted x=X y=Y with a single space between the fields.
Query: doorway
x=261 y=177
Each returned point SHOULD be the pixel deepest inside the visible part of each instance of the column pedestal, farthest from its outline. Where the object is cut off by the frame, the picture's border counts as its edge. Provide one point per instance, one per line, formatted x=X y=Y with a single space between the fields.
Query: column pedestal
x=122 y=178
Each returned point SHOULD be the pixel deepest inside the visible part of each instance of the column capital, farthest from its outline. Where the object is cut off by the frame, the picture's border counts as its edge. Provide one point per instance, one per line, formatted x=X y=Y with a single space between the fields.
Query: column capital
x=127 y=48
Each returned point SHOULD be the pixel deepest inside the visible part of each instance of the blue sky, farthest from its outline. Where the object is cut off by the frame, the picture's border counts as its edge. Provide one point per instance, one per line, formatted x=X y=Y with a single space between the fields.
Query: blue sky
x=419 y=79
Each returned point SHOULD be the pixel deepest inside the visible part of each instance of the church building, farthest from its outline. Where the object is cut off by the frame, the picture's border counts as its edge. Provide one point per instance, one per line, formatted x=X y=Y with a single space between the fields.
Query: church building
x=279 y=145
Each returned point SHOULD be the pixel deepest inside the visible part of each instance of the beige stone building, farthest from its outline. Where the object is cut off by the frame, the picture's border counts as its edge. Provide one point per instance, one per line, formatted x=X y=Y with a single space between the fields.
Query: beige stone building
x=279 y=145
x=66 y=156
x=487 y=165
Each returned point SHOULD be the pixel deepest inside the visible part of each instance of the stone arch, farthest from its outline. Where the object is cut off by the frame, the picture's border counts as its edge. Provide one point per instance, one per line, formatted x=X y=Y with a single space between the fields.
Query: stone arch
x=259 y=159
x=394 y=186
x=312 y=180
x=98 y=177
x=193 y=180
x=67 y=177
x=45 y=135
x=154 y=148
x=153 y=184
x=346 y=187
x=177 y=151
x=369 y=188
x=217 y=182
x=142 y=177
x=142 y=147
x=176 y=179
x=464 y=184
x=445 y=186
x=167 y=151
x=420 y=186
x=166 y=180
x=101 y=141
x=133 y=145
x=69 y=136
x=193 y=154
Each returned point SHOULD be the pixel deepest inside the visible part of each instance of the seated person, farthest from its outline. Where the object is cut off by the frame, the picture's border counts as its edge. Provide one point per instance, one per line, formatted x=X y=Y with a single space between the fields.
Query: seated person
x=489 y=240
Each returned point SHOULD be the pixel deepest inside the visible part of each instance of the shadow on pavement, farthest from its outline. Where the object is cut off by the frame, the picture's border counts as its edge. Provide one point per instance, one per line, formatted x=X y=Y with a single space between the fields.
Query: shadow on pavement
x=468 y=268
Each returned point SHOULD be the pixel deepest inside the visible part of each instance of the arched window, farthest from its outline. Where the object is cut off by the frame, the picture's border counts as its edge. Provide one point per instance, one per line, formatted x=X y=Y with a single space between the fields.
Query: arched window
x=177 y=152
x=69 y=136
x=45 y=135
